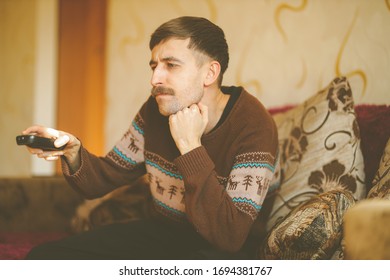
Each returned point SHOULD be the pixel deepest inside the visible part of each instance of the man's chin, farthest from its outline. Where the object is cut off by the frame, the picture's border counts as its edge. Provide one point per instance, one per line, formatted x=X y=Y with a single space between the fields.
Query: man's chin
x=165 y=113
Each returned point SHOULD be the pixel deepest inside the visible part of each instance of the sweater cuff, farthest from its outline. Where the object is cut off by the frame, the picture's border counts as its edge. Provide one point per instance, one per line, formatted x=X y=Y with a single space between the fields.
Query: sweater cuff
x=77 y=175
x=194 y=162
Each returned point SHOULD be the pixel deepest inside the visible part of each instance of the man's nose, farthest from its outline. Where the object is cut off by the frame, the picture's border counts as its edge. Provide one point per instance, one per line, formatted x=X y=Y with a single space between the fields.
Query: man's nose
x=157 y=77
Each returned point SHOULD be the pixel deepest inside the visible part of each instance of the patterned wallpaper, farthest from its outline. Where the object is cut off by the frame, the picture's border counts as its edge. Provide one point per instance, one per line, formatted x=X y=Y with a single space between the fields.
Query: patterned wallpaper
x=281 y=51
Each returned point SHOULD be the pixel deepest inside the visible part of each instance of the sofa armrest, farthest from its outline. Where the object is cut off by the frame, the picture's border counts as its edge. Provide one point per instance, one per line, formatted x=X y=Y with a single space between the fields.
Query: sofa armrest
x=366 y=230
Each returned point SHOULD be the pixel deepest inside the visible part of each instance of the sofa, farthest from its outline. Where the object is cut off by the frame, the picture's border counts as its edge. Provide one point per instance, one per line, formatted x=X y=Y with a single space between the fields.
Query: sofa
x=333 y=156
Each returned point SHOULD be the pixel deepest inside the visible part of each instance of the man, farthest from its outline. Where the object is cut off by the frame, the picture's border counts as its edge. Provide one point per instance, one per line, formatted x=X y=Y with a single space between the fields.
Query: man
x=209 y=152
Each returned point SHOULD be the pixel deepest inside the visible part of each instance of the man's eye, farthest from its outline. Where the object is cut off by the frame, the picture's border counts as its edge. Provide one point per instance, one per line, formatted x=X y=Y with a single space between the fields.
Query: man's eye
x=171 y=65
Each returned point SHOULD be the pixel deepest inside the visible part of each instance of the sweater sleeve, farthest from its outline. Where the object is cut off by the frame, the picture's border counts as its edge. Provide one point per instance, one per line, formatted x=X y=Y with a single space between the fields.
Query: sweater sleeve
x=223 y=215
x=98 y=176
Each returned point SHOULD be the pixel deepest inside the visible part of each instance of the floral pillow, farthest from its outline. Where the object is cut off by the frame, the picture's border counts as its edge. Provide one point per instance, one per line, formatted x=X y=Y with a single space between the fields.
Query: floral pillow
x=381 y=183
x=311 y=231
x=319 y=143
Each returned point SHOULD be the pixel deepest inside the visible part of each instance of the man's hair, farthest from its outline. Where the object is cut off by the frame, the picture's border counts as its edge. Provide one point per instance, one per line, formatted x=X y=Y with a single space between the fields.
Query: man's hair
x=205 y=37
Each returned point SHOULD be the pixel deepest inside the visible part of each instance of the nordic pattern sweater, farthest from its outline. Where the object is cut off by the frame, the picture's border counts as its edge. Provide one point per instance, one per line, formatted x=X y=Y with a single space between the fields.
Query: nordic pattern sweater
x=219 y=188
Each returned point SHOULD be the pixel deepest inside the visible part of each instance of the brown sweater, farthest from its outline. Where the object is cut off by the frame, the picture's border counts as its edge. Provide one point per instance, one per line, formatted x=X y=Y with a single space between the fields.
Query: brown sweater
x=219 y=187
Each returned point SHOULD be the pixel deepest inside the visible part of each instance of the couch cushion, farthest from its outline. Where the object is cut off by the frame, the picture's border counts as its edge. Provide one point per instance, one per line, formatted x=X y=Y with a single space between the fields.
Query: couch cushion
x=319 y=144
x=36 y=204
x=311 y=231
x=381 y=183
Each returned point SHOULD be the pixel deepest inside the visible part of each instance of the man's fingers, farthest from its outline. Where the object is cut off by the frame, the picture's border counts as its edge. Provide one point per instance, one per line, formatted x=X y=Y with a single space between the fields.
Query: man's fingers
x=42 y=131
x=36 y=129
x=172 y=118
x=204 y=110
x=194 y=108
x=61 y=138
x=51 y=158
x=61 y=141
x=34 y=151
x=50 y=155
x=52 y=132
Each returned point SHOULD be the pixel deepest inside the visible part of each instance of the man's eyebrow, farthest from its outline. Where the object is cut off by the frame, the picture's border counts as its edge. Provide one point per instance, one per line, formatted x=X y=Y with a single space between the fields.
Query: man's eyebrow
x=166 y=59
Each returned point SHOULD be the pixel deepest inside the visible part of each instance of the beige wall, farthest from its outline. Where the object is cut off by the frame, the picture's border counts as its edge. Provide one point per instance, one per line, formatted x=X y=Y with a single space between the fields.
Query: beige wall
x=281 y=51
x=17 y=48
x=27 y=79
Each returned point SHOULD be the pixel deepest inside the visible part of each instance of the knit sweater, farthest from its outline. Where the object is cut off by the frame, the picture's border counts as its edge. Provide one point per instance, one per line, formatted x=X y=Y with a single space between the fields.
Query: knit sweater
x=219 y=188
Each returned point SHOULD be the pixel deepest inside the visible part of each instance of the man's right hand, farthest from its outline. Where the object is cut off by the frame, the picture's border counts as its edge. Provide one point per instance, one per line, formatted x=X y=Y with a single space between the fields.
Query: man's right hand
x=71 y=151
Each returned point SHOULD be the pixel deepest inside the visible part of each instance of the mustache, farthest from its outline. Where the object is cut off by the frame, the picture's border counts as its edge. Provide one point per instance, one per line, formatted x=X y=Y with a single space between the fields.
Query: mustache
x=162 y=90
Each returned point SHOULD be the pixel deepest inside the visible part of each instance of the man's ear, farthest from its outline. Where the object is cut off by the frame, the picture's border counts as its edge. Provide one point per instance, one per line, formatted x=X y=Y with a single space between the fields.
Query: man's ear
x=213 y=73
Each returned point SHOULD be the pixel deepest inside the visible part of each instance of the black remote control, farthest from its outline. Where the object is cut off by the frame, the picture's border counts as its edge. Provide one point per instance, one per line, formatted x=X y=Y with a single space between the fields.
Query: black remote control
x=38 y=142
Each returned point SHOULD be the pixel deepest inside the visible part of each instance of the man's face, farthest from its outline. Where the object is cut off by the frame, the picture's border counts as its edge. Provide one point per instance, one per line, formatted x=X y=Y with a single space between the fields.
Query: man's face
x=177 y=77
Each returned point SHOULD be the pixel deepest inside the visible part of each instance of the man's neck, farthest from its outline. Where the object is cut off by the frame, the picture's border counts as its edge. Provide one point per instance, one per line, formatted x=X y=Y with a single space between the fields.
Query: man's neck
x=216 y=103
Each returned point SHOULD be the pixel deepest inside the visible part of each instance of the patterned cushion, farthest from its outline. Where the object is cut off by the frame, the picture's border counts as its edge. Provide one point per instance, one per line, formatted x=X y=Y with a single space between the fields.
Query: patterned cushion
x=319 y=145
x=381 y=183
x=311 y=231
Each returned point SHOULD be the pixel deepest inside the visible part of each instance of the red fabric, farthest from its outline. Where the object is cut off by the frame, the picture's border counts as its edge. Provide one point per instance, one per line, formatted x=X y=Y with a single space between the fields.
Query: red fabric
x=282 y=109
x=374 y=124
x=15 y=246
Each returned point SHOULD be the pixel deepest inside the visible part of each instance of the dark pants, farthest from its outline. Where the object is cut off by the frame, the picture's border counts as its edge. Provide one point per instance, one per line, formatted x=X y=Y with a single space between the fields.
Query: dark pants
x=142 y=240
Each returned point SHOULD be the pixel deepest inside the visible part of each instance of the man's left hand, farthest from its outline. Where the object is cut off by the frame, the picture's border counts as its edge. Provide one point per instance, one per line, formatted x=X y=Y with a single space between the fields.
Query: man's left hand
x=187 y=127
